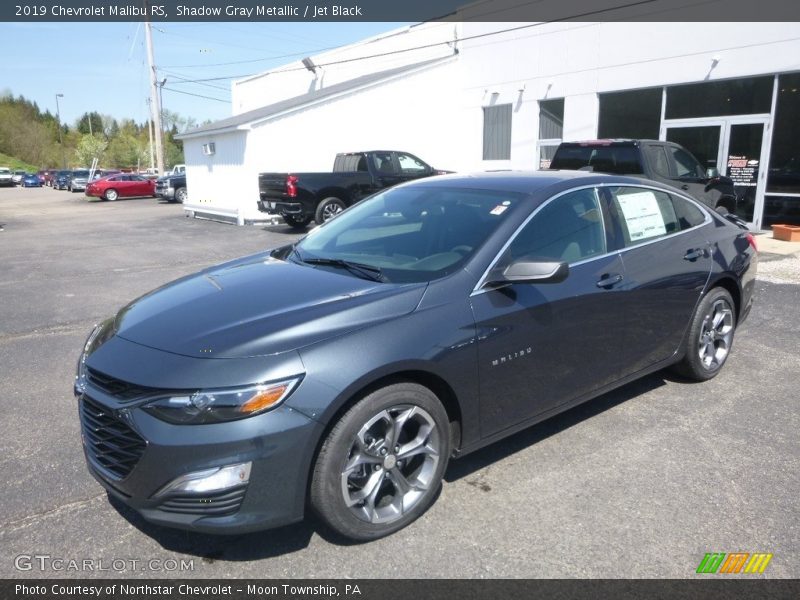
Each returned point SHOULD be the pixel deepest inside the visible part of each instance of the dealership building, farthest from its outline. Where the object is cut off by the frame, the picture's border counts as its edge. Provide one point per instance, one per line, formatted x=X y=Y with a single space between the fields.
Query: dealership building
x=470 y=96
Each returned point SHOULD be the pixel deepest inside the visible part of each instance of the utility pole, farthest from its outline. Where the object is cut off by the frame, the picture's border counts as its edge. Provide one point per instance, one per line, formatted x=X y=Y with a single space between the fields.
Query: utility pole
x=154 y=95
x=150 y=133
x=60 y=138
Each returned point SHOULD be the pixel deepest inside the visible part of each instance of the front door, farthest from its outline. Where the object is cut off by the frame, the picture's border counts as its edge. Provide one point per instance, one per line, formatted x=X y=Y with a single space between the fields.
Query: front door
x=542 y=345
x=734 y=146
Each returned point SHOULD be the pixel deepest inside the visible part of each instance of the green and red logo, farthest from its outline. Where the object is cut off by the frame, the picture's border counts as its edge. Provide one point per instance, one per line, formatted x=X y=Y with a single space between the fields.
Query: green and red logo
x=734 y=562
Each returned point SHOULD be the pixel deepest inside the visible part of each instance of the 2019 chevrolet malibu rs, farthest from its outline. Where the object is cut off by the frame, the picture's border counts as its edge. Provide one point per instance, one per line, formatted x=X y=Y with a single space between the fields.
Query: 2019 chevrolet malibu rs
x=344 y=371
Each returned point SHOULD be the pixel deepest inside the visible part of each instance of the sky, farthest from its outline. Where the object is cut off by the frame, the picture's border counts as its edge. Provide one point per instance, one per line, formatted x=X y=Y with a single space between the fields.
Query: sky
x=103 y=66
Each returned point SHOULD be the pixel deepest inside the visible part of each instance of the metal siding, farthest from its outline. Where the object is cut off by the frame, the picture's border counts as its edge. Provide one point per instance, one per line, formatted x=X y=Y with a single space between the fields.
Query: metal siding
x=497 y=132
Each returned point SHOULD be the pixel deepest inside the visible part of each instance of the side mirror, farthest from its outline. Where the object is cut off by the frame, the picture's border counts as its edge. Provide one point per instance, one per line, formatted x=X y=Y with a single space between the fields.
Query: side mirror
x=534 y=271
x=712 y=172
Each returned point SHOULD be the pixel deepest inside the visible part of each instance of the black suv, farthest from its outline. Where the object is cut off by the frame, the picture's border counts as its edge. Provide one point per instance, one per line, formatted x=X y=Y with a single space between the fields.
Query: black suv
x=666 y=162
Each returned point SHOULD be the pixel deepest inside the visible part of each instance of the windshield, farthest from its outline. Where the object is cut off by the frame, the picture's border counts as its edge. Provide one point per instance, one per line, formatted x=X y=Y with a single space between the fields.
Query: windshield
x=80 y=173
x=410 y=234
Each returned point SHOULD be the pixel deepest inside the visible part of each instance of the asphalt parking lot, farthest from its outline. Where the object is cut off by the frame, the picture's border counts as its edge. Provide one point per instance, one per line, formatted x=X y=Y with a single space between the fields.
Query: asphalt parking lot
x=641 y=482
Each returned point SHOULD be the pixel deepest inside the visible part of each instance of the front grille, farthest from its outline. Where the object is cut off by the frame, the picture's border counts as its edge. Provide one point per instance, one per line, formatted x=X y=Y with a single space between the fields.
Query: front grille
x=111 y=444
x=215 y=504
x=121 y=390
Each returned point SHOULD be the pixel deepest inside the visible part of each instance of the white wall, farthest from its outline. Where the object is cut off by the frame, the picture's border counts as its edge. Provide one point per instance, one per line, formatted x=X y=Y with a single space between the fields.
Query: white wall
x=294 y=79
x=223 y=180
x=411 y=113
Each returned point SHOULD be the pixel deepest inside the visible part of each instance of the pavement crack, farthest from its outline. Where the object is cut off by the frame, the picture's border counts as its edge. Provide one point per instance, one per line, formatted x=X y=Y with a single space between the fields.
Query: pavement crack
x=27 y=521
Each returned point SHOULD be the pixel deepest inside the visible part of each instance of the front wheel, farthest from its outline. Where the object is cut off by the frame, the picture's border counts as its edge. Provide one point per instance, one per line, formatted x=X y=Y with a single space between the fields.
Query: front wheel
x=299 y=222
x=710 y=338
x=181 y=195
x=328 y=208
x=111 y=195
x=382 y=464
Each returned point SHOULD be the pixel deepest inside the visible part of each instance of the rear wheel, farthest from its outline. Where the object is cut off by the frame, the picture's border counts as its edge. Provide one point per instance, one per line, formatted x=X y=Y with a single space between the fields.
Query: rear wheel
x=111 y=195
x=296 y=222
x=710 y=336
x=381 y=466
x=329 y=208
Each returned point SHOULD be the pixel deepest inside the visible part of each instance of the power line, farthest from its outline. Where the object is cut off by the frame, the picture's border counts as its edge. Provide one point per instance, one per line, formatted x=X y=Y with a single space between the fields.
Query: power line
x=186 y=80
x=195 y=95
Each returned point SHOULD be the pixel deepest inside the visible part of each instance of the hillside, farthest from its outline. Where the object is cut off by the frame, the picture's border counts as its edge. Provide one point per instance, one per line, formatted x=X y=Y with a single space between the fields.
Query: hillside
x=15 y=163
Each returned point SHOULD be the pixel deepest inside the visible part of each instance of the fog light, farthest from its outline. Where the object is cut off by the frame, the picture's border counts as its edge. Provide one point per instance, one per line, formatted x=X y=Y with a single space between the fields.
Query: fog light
x=209 y=480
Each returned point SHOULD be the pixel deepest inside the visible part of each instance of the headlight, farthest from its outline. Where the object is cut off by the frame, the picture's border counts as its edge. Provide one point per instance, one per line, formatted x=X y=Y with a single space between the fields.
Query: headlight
x=216 y=406
x=99 y=336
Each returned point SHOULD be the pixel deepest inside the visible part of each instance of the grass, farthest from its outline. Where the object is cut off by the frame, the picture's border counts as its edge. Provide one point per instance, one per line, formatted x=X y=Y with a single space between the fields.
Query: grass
x=15 y=164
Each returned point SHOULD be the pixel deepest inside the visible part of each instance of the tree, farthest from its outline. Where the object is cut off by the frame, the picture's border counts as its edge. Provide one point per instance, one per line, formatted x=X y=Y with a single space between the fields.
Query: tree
x=89 y=148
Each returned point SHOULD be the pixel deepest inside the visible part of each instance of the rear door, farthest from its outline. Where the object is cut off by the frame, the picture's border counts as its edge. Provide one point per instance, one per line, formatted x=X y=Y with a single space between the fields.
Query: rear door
x=667 y=262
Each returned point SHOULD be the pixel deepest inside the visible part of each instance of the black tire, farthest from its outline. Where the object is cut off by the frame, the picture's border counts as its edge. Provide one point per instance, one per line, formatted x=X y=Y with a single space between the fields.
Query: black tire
x=710 y=338
x=296 y=222
x=328 y=208
x=111 y=194
x=181 y=195
x=373 y=484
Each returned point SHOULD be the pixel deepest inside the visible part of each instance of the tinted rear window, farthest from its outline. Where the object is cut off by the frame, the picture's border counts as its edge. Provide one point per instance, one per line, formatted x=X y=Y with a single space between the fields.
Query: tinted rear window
x=622 y=160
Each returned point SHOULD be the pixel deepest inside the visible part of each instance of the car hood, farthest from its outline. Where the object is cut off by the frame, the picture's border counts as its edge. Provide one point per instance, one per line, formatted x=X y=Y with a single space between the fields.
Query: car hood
x=259 y=306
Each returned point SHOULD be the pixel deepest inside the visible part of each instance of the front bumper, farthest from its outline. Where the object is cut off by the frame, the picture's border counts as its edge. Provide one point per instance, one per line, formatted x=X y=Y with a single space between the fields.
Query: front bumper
x=77 y=186
x=279 y=443
x=165 y=192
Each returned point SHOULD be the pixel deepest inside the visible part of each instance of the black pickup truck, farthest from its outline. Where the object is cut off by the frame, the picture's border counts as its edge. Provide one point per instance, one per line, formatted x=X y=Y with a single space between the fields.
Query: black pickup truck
x=172 y=187
x=666 y=162
x=301 y=197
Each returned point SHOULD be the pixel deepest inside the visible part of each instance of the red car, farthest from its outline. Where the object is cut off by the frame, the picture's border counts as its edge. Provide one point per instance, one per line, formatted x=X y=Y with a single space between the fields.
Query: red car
x=121 y=185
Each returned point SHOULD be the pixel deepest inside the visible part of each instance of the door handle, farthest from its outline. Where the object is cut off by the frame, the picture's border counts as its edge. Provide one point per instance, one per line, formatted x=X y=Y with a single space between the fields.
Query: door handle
x=607 y=280
x=694 y=254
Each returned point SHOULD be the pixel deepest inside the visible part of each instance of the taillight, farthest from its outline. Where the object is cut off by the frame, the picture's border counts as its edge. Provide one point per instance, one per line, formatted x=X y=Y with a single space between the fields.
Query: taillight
x=751 y=239
x=291 y=186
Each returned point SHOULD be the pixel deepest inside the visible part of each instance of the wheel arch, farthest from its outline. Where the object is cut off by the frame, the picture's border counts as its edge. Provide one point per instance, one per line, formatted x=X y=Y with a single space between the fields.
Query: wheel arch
x=334 y=192
x=730 y=284
x=365 y=386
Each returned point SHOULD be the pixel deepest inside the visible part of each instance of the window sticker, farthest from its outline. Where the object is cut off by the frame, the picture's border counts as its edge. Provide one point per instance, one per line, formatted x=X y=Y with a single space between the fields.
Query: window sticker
x=498 y=210
x=642 y=215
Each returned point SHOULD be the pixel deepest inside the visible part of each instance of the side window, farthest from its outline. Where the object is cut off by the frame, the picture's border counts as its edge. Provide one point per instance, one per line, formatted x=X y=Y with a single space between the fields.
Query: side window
x=643 y=214
x=362 y=163
x=688 y=214
x=658 y=160
x=410 y=165
x=569 y=228
x=383 y=162
x=685 y=164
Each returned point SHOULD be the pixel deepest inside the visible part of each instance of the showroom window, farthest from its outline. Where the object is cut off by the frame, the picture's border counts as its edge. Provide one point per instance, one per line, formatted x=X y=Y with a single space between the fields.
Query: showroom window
x=551 y=130
x=784 y=164
x=749 y=96
x=782 y=200
x=634 y=114
x=497 y=132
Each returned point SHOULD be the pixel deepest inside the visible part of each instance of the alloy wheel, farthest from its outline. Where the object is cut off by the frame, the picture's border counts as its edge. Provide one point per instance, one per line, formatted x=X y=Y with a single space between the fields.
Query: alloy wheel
x=716 y=335
x=391 y=464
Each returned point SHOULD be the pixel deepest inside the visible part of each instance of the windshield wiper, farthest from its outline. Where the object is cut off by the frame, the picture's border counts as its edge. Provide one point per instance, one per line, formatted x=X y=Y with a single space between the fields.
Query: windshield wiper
x=358 y=269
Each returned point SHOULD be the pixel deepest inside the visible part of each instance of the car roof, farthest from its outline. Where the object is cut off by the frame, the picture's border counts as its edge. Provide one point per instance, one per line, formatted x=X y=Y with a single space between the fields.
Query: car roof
x=526 y=182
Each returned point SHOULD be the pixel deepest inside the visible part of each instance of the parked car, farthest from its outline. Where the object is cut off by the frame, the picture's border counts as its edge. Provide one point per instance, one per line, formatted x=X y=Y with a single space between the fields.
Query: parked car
x=31 y=180
x=6 y=177
x=49 y=174
x=342 y=372
x=61 y=180
x=122 y=185
x=172 y=188
x=666 y=162
x=17 y=177
x=79 y=180
x=302 y=197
